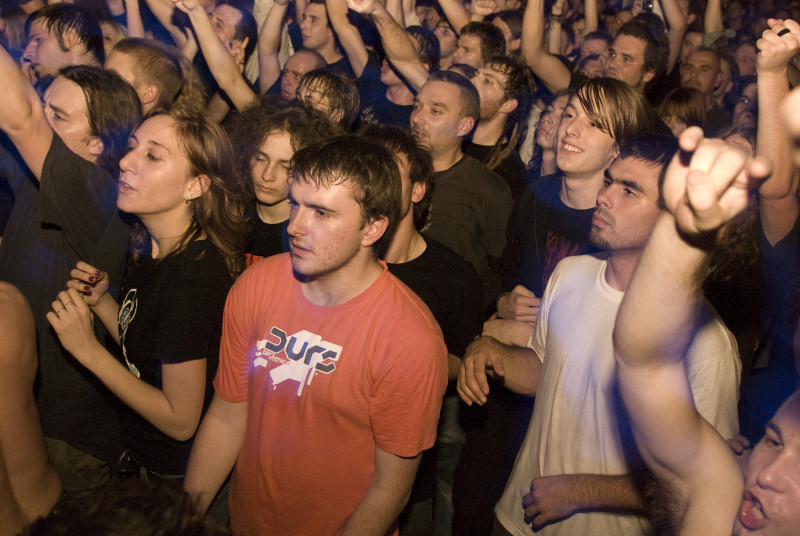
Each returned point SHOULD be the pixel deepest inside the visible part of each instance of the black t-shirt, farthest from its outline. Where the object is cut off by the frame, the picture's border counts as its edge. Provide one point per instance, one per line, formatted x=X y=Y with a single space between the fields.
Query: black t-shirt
x=510 y=168
x=267 y=239
x=70 y=216
x=450 y=288
x=171 y=312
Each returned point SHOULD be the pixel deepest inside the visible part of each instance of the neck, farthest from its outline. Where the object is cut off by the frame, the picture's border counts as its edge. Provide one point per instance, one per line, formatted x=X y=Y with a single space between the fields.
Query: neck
x=580 y=192
x=709 y=99
x=548 y=163
x=487 y=132
x=620 y=268
x=329 y=52
x=407 y=244
x=445 y=159
x=399 y=94
x=277 y=213
x=165 y=232
x=345 y=283
x=445 y=63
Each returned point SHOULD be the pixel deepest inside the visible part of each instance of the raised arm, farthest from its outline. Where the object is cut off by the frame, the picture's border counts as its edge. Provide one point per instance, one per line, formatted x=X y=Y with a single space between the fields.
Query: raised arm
x=398 y=46
x=269 y=40
x=706 y=185
x=676 y=29
x=456 y=13
x=553 y=74
x=712 y=23
x=590 y=16
x=162 y=10
x=133 y=17
x=348 y=35
x=554 y=30
x=220 y=60
x=22 y=117
x=778 y=195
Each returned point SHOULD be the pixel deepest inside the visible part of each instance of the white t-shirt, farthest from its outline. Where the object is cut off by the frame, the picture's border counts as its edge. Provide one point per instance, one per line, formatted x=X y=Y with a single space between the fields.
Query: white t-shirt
x=575 y=423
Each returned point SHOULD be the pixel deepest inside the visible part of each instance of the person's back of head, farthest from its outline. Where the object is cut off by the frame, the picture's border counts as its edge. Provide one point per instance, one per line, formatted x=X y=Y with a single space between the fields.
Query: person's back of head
x=427 y=46
x=113 y=108
x=420 y=164
x=62 y=19
x=154 y=64
x=331 y=93
x=492 y=40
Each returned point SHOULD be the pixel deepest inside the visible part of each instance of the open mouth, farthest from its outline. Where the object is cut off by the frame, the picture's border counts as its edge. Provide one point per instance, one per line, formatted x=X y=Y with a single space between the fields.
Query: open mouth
x=751 y=512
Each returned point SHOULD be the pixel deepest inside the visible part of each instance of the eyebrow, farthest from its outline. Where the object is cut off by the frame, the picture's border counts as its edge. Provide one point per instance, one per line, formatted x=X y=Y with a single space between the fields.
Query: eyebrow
x=152 y=142
x=774 y=427
x=58 y=110
x=633 y=185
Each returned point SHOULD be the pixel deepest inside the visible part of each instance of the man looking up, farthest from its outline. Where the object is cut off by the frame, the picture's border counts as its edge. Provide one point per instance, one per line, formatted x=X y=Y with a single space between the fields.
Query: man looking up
x=477 y=42
x=637 y=55
x=574 y=472
x=307 y=349
x=701 y=70
x=60 y=35
x=470 y=204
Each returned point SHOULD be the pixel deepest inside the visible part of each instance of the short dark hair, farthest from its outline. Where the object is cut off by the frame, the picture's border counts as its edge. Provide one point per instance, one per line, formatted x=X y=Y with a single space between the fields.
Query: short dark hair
x=512 y=18
x=468 y=100
x=656 y=50
x=655 y=149
x=491 y=37
x=61 y=18
x=247 y=26
x=420 y=163
x=367 y=167
x=113 y=108
x=428 y=47
x=340 y=91
x=600 y=35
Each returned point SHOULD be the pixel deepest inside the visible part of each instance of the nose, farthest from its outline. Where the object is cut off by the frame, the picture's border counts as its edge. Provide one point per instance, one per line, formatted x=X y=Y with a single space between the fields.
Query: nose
x=604 y=198
x=127 y=162
x=297 y=222
x=269 y=173
x=771 y=474
x=30 y=51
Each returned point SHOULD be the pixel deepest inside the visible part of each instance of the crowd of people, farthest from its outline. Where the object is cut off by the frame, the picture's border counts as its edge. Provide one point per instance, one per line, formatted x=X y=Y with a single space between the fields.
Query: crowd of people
x=368 y=267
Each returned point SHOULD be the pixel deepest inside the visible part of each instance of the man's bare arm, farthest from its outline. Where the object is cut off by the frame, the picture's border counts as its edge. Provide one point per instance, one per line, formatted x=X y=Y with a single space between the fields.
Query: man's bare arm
x=457 y=15
x=553 y=74
x=518 y=368
x=386 y=496
x=216 y=447
x=348 y=35
x=676 y=29
x=269 y=38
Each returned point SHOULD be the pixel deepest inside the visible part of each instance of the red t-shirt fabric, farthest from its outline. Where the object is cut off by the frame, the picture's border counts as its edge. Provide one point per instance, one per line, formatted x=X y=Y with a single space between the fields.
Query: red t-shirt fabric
x=324 y=386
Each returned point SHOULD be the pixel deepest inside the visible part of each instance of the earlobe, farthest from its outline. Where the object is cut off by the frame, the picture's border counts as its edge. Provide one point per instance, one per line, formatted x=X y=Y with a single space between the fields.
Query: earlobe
x=418 y=192
x=95 y=146
x=648 y=75
x=375 y=230
x=509 y=106
x=465 y=126
x=198 y=186
x=148 y=94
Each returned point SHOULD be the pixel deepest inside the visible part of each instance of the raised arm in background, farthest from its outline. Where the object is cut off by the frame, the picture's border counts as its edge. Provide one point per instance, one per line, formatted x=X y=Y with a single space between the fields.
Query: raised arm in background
x=162 y=10
x=712 y=22
x=349 y=37
x=553 y=74
x=554 y=30
x=778 y=195
x=133 y=17
x=269 y=41
x=456 y=13
x=676 y=29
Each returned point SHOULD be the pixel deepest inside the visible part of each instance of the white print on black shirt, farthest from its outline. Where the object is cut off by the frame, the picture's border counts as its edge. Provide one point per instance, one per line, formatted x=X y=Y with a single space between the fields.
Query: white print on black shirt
x=300 y=357
x=127 y=312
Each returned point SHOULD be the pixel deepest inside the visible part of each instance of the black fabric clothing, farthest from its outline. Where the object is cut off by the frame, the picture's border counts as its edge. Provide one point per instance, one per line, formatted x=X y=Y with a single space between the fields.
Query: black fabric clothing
x=342 y=66
x=170 y=312
x=267 y=239
x=766 y=387
x=70 y=216
x=510 y=169
x=375 y=107
x=541 y=231
x=450 y=288
x=718 y=120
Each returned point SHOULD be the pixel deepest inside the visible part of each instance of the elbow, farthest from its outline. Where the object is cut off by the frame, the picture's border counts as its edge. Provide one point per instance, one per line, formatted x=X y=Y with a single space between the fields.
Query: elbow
x=183 y=430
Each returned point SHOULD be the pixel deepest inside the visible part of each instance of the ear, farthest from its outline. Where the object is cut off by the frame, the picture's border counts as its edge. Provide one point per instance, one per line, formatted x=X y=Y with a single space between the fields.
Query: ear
x=2 y=24
x=197 y=186
x=147 y=93
x=95 y=146
x=418 y=192
x=718 y=79
x=615 y=152
x=374 y=231
x=465 y=125
x=71 y=39
x=648 y=75
x=509 y=106
x=515 y=44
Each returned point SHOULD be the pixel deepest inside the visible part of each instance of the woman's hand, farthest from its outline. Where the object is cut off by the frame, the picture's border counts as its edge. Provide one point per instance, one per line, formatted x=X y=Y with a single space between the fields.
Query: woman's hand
x=72 y=321
x=91 y=283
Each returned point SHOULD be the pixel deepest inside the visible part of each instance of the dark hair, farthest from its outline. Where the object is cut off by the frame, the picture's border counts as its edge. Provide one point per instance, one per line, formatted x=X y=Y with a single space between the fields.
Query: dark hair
x=685 y=103
x=340 y=91
x=365 y=166
x=599 y=34
x=467 y=71
x=513 y=19
x=469 y=102
x=113 y=109
x=519 y=85
x=428 y=46
x=420 y=163
x=655 y=149
x=656 y=50
x=250 y=128
x=491 y=37
x=13 y=37
x=131 y=507
x=62 y=18
x=616 y=107
x=246 y=27
x=156 y=64
x=219 y=213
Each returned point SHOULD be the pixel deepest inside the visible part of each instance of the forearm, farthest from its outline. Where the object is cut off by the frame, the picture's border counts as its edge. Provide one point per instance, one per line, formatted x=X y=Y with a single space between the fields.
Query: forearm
x=348 y=35
x=713 y=18
x=107 y=311
x=134 y=19
x=399 y=49
x=676 y=29
x=616 y=493
x=269 y=39
x=386 y=496
x=553 y=74
x=395 y=9
x=456 y=13
x=216 y=447
x=590 y=16
x=162 y=10
x=21 y=112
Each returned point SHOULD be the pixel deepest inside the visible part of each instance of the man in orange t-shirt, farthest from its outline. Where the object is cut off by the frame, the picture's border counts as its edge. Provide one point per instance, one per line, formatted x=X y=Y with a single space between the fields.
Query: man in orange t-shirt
x=331 y=371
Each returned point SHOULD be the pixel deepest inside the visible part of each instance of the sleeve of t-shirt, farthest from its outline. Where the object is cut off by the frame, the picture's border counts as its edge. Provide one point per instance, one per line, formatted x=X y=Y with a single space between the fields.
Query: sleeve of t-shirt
x=406 y=397
x=231 y=383
x=77 y=196
x=191 y=321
